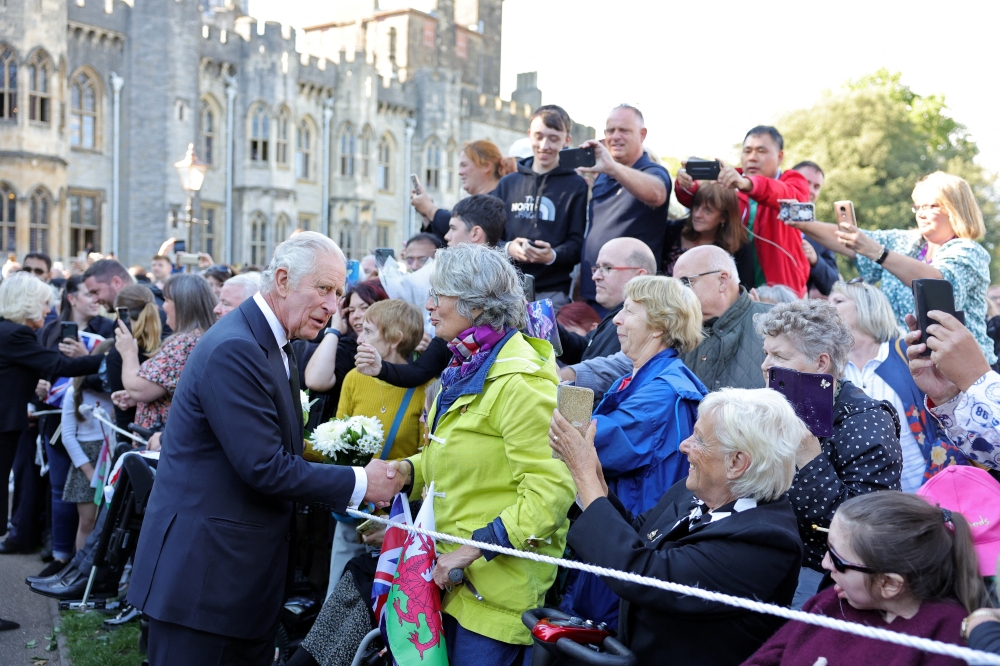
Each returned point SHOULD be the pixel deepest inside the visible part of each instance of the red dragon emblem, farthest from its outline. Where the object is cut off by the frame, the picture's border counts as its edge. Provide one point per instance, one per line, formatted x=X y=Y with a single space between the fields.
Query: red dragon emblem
x=414 y=577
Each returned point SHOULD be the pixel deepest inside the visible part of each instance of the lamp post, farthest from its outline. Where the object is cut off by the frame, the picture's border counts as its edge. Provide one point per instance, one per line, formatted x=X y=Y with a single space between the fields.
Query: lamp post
x=191 y=171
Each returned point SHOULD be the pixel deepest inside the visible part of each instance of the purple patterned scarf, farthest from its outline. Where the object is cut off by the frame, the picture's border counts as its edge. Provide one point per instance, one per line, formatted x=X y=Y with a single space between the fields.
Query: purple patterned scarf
x=471 y=349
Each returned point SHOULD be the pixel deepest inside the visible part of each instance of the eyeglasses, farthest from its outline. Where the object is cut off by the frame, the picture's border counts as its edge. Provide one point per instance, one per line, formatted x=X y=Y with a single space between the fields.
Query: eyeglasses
x=841 y=565
x=606 y=270
x=37 y=271
x=926 y=208
x=434 y=297
x=686 y=280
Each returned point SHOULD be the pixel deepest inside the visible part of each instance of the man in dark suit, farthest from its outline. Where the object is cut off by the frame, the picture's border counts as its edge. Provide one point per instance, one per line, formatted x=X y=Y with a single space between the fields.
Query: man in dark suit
x=211 y=564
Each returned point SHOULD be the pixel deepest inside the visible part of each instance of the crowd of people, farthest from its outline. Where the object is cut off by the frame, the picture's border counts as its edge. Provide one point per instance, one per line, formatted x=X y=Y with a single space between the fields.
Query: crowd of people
x=693 y=470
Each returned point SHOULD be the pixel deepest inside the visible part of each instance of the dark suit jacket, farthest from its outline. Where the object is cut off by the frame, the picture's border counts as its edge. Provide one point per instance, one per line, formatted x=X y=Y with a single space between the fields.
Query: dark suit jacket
x=752 y=554
x=214 y=547
x=23 y=361
x=602 y=341
x=825 y=273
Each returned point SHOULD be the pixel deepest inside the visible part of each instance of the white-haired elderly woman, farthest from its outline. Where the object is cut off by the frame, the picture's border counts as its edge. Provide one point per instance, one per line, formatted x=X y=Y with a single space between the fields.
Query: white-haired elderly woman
x=24 y=302
x=487 y=455
x=863 y=454
x=878 y=365
x=728 y=527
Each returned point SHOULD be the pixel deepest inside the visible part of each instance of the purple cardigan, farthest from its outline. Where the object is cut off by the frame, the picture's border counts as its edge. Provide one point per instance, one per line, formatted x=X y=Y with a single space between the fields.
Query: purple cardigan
x=802 y=644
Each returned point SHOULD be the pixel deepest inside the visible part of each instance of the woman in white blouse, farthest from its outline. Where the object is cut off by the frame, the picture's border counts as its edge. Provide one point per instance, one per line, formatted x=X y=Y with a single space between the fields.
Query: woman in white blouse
x=82 y=437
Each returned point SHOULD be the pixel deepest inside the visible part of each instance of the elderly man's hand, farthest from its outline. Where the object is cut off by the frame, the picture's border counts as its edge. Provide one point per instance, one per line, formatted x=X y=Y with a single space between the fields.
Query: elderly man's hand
x=954 y=350
x=925 y=373
x=382 y=486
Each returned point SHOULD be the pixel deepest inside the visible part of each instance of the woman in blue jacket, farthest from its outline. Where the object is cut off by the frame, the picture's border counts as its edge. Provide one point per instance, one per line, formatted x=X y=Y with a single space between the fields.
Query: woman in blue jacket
x=644 y=416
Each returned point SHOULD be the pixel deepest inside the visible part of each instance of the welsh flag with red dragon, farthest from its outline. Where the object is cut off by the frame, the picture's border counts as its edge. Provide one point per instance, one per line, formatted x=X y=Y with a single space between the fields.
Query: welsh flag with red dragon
x=409 y=611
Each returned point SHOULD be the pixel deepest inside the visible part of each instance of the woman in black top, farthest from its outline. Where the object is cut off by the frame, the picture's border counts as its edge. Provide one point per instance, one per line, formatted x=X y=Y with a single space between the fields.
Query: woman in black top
x=714 y=220
x=24 y=300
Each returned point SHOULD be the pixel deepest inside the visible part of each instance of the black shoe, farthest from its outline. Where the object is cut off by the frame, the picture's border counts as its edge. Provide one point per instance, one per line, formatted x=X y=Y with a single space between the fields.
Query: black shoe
x=9 y=547
x=53 y=577
x=73 y=587
x=7 y=625
x=129 y=613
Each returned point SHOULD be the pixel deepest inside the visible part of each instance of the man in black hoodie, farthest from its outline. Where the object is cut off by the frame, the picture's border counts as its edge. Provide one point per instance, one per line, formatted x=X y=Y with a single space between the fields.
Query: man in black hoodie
x=546 y=208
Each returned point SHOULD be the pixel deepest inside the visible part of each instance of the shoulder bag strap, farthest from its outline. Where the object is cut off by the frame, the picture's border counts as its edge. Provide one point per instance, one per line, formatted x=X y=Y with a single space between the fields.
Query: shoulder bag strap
x=397 y=422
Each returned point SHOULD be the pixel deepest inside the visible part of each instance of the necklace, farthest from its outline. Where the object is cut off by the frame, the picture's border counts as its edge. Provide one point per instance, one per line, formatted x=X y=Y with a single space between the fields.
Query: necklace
x=381 y=395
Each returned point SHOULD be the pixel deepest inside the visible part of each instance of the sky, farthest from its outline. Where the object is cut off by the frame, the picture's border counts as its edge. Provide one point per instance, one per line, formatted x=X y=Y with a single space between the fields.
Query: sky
x=704 y=72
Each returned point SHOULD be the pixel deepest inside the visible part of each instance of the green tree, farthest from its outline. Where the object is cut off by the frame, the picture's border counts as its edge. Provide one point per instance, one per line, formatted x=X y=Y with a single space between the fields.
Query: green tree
x=875 y=138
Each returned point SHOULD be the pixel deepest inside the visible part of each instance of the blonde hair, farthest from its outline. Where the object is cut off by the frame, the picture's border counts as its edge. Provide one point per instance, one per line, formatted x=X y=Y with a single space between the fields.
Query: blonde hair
x=670 y=307
x=142 y=312
x=24 y=298
x=873 y=313
x=398 y=323
x=954 y=194
x=762 y=424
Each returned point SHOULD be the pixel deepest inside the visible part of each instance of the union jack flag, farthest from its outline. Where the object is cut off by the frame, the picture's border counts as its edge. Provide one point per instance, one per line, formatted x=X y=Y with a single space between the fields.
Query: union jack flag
x=388 y=559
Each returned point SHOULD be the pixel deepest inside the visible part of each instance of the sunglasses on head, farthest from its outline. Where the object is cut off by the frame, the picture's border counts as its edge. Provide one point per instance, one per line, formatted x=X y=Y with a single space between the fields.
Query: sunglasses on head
x=842 y=565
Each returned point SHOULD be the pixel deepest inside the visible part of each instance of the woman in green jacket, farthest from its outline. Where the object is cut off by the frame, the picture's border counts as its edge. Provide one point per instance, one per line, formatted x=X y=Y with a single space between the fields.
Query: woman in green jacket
x=494 y=476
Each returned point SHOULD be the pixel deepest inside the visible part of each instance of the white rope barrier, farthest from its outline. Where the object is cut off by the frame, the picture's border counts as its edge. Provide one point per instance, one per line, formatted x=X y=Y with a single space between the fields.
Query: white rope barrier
x=102 y=416
x=927 y=645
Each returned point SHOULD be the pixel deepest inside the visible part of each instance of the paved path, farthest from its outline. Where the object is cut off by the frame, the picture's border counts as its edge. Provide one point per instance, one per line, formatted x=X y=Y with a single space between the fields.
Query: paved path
x=33 y=612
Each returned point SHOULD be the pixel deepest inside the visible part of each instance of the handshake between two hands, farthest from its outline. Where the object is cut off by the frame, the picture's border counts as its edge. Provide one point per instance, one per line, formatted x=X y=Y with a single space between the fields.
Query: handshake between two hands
x=386 y=479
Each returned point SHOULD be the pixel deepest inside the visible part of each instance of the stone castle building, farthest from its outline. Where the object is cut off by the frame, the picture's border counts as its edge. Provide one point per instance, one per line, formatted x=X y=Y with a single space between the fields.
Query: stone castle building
x=98 y=100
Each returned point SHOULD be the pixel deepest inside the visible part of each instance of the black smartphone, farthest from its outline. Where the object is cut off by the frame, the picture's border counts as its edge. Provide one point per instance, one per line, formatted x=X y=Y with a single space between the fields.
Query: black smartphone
x=811 y=395
x=123 y=317
x=572 y=158
x=383 y=253
x=180 y=246
x=529 y=287
x=71 y=330
x=700 y=169
x=931 y=294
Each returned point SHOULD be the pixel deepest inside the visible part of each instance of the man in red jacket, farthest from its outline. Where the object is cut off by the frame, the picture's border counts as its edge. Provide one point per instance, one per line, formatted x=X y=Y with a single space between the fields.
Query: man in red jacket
x=778 y=255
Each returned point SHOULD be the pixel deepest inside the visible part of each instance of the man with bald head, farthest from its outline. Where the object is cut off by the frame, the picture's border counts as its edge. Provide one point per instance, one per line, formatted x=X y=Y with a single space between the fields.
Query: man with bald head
x=619 y=261
x=731 y=352
x=631 y=193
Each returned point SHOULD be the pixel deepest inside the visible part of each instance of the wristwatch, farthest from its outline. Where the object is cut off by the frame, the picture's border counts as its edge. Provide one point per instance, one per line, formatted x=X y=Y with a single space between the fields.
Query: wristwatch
x=332 y=331
x=982 y=612
x=882 y=255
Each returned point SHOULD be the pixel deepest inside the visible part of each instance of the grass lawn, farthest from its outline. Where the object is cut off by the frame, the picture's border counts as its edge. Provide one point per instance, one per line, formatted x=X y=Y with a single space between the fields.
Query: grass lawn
x=89 y=645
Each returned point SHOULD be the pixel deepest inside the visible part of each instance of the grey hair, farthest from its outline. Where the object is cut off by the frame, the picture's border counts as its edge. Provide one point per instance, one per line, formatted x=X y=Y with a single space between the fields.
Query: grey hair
x=636 y=111
x=813 y=327
x=723 y=261
x=248 y=282
x=299 y=255
x=776 y=293
x=874 y=315
x=482 y=278
x=762 y=424
x=642 y=258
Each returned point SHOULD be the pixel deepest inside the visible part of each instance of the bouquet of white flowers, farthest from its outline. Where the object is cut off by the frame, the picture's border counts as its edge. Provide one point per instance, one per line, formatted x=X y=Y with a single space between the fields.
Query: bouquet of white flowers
x=349 y=440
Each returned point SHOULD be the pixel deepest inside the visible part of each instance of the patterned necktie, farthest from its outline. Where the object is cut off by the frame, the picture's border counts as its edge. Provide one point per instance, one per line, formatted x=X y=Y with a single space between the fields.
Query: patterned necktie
x=293 y=381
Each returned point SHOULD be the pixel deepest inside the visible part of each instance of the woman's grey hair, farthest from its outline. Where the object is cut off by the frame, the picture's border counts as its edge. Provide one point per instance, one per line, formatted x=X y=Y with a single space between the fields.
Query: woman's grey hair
x=873 y=313
x=777 y=293
x=248 y=282
x=483 y=279
x=194 y=302
x=813 y=327
x=299 y=255
x=24 y=298
x=762 y=424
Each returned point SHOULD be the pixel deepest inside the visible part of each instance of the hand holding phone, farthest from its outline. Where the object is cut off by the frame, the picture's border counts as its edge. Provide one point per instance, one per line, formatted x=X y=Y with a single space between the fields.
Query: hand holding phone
x=572 y=158
x=700 y=169
x=123 y=317
x=844 y=212
x=930 y=294
x=415 y=183
x=69 y=330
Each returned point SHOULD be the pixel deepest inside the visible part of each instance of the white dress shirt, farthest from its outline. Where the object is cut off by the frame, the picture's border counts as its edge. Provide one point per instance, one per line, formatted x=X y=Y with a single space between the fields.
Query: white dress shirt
x=360 y=478
x=877 y=388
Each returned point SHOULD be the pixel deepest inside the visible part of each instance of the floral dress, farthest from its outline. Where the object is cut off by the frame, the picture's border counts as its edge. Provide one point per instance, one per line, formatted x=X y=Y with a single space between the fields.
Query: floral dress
x=164 y=369
x=962 y=262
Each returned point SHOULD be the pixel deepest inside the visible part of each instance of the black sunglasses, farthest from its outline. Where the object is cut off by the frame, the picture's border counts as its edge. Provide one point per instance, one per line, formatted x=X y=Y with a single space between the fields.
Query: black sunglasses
x=36 y=271
x=842 y=565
